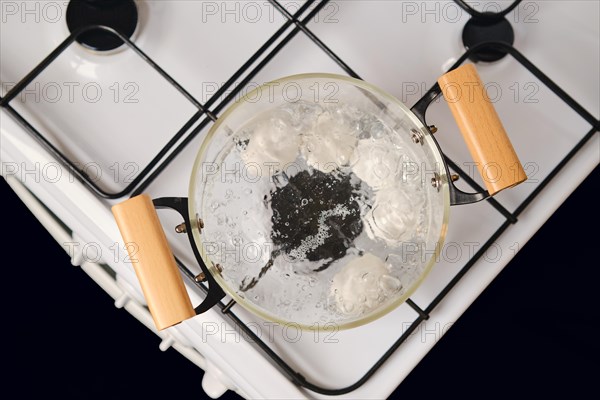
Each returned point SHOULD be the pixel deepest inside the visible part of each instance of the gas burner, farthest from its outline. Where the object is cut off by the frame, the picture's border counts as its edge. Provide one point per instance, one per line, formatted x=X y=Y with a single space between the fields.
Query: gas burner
x=120 y=15
x=481 y=30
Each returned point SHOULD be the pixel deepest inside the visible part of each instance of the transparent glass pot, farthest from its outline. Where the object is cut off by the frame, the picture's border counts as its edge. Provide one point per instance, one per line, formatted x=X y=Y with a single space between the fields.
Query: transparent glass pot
x=318 y=200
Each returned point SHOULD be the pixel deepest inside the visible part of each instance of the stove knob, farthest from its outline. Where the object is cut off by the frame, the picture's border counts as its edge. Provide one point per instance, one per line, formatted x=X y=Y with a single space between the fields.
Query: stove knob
x=74 y=249
x=122 y=300
x=212 y=386
x=167 y=342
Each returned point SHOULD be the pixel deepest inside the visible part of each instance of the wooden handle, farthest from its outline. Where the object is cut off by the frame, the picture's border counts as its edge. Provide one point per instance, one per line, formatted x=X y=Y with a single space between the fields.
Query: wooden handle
x=153 y=261
x=481 y=128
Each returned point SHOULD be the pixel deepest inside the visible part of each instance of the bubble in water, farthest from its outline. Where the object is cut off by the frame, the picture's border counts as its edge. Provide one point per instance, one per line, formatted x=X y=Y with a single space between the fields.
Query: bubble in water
x=377 y=130
x=279 y=124
x=304 y=202
x=395 y=261
x=230 y=222
x=389 y=284
x=214 y=205
x=374 y=296
x=344 y=156
x=347 y=307
x=310 y=243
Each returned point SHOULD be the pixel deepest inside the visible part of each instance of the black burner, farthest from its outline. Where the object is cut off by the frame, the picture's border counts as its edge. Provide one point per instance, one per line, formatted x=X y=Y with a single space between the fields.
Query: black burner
x=120 y=15
x=479 y=30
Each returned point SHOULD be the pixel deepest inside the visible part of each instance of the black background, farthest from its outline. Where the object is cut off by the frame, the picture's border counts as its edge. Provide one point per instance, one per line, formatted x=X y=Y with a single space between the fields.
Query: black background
x=534 y=331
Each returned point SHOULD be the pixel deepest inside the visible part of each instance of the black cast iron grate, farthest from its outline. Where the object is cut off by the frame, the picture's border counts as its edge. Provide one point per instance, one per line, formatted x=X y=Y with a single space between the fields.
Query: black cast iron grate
x=211 y=108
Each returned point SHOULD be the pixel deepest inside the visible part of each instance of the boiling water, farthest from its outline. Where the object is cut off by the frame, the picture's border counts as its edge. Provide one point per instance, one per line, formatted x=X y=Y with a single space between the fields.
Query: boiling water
x=315 y=212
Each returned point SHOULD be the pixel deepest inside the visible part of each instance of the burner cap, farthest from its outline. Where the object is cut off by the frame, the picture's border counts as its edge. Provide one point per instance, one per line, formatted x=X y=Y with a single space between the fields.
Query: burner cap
x=479 y=30
x=120 y=15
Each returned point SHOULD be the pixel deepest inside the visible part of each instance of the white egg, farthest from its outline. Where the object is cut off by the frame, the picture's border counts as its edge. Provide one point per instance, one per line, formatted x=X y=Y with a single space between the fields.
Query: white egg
x=362 y=285
x=331 y=145
x=393 y=217
x=272 y=146
x=376 y=162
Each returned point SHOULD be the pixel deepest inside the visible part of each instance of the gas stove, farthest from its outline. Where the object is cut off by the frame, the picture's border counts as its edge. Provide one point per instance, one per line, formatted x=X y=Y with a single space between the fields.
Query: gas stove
x=110 y=114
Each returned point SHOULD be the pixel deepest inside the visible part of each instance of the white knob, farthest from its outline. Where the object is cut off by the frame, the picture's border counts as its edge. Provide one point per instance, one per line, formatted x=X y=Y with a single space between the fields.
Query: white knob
x=166 y=343
x=77 y=258
x=122 y=300
x=212 y=386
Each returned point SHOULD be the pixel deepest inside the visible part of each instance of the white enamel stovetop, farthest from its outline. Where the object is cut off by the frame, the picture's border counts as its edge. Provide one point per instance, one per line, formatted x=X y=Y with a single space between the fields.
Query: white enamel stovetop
x=121 y=113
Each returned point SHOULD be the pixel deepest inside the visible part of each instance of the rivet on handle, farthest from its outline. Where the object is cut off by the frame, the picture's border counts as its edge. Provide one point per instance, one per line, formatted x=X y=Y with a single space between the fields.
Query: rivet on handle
x=417 y=136
x=436 y=181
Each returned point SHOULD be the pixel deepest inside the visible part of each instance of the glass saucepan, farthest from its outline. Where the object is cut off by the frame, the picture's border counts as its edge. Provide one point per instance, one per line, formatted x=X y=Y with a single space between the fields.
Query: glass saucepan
x=318 y=200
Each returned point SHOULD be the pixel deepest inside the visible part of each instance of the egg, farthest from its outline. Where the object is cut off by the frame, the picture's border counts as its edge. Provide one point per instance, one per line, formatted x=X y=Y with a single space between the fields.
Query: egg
x=362 y=285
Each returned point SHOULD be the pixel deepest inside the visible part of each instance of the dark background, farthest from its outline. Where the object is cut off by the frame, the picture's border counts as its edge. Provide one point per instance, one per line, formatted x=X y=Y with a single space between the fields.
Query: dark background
x=533 y=332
